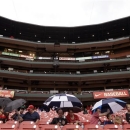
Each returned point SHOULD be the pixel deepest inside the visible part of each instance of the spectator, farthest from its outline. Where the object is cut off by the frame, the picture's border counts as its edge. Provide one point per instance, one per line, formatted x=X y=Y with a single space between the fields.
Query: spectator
x=118 y=120
x=85 y=111
x=128 y=114
x=31 y=115
x=96 y=115
x=60 y=120
x=72 y=118
x=18 y=114
x=2 y=116
x=110 y=119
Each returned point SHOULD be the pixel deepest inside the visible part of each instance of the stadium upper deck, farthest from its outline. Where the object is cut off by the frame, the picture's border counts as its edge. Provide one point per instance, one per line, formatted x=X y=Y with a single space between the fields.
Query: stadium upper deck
x=39 y=59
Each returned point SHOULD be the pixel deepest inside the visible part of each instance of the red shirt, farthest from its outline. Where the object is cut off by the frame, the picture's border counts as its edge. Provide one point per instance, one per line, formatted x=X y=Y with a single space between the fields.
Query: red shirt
x=70 y=120
x=95 y=118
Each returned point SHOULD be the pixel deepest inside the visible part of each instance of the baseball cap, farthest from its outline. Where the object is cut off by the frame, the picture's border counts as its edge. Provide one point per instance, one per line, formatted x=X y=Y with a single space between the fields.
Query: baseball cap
x=30 y=107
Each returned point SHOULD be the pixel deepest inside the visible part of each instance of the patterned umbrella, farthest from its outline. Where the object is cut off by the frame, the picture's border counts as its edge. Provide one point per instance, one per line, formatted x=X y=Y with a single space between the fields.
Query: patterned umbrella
x=112 y=103
x=63 y=101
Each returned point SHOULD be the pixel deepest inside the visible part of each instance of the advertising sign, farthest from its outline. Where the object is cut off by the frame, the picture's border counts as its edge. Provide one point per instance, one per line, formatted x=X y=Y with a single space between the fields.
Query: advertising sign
x=6 y=93
x=66 y=58
x=111 y=94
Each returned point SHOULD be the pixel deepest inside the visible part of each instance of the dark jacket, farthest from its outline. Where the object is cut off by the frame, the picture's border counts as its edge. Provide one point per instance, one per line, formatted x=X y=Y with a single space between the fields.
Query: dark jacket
x=61 y=121
x=127 y=117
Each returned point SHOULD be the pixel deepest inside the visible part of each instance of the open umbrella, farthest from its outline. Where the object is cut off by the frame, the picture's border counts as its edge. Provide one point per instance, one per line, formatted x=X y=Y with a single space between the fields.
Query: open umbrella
x=4 y=102
x=14 y=105
x=74 y=109
x=113 y=104
x=63 y=101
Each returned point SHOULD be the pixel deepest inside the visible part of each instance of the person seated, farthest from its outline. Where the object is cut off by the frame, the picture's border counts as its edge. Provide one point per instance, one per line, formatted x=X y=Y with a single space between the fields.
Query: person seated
x=117 y=120
x=2 y=116
x=60 y=120
x=16 y=116
x=72 y=118
x=95 y=117
x=110 y=119
x=127 y=115
x=31 y=115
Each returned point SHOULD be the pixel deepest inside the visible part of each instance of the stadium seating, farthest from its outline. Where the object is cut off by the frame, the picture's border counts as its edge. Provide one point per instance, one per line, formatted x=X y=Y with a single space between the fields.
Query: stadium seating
x=74 y=127
x=93 y=127
x=50 y=127
x=112 y=127
x=126 y=127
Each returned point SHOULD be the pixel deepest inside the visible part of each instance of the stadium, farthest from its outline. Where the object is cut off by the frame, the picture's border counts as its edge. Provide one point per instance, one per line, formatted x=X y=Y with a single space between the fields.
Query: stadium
x=39 y=61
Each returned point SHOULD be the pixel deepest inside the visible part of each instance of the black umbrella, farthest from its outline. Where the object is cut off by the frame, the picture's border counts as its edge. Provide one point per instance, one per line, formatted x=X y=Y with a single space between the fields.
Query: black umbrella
x=4 y=102
x=14 y=105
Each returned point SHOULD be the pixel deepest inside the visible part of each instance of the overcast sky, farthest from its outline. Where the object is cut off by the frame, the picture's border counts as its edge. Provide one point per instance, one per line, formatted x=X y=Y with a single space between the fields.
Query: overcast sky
x=64 y=12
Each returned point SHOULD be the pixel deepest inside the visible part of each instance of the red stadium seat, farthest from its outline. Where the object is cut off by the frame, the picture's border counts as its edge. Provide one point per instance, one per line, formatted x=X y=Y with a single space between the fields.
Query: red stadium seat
x=28 y=125
x=16 y=123
x=50 y=127
x=92 y=127
x=126 y=127
x=74 y=127
x=112 y=127
x=42 y=122
x=8 y=127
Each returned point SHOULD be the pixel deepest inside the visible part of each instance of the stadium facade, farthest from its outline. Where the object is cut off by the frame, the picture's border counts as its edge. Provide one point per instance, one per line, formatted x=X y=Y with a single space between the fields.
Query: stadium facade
x=38 y=61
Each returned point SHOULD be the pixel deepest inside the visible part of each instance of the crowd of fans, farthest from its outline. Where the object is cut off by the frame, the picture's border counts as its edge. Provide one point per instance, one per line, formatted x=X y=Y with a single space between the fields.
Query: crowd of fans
x=31 y=114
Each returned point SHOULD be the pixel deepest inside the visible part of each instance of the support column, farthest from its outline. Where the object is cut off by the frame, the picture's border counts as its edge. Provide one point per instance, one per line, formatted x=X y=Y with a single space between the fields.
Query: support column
x=79 y=89
x=29 y=89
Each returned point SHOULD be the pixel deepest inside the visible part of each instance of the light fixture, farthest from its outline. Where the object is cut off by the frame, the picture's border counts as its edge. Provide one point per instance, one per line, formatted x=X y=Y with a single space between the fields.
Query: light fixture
x=19 y=33
x=49 y=37
x=73 y=42
x=92 y=35
x=35 y=35
x=123 y=29
x=10 y=50
x=64 y=37
x=107 y=52
x=5 y=29
x=20 y=51
x=78 y=37
x=38 y=41
x=108 y=33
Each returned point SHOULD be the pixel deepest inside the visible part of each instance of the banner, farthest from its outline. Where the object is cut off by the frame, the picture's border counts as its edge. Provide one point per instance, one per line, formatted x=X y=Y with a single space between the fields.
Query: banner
x=6 y=93
x=98 y=57
x=10 y=54
x=84 y=58
x=25 y=56
x=66 y=58
x=111 y=94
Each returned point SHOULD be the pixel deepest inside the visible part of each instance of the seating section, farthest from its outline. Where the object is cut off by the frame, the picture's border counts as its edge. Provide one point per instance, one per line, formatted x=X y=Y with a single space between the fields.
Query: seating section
x=46 y=118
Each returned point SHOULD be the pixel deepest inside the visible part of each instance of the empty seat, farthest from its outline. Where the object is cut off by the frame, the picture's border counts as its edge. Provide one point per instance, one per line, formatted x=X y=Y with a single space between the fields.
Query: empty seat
x=126 y=127
x=16 y=123
x=42 y=122
x=50 y=127
x=74 y=127
x=8 y=127
x=93 y=127
x=28 y=125
x=112 y=127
